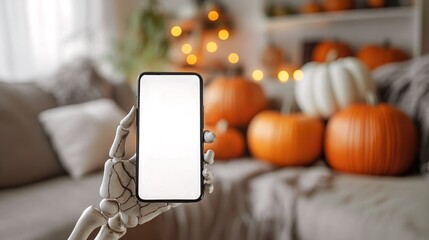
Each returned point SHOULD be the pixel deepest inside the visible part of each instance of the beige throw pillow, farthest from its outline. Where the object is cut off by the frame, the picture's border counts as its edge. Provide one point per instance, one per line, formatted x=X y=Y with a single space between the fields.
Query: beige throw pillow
x=82 y=134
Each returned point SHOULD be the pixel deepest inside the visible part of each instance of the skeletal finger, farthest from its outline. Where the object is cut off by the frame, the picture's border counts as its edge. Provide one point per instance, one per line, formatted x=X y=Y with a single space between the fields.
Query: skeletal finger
x=208 y=175
x=208 y=187
x=209 y=157
x=209 y=137
x=117 y=151
x=128 y=120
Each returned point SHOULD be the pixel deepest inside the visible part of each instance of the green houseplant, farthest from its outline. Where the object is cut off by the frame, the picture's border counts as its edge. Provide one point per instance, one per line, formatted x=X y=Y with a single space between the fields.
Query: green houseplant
x=145 y=44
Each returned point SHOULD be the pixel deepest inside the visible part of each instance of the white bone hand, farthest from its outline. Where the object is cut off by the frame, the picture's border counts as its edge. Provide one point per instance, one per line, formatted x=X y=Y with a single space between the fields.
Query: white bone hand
x=120 y=208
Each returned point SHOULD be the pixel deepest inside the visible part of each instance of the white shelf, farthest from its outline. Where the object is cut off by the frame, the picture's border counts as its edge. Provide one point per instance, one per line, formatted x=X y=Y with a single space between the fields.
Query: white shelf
x=276 y=23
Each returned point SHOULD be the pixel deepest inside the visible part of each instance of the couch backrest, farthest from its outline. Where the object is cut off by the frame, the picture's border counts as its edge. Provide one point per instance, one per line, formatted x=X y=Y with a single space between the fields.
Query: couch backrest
x=25 y=152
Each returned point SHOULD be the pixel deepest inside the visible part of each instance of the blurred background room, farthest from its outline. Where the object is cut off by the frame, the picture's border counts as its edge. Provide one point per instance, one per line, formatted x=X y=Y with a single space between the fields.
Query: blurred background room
x=320 y=107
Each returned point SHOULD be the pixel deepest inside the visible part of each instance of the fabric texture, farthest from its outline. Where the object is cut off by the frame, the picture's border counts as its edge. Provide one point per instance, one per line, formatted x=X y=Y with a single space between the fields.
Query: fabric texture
x=351 y=207
x=82 y=134
x=363 y=207
x=26 y=154
x=406 y=85
x=47 y=210
x=76 y=82
x=275 y=196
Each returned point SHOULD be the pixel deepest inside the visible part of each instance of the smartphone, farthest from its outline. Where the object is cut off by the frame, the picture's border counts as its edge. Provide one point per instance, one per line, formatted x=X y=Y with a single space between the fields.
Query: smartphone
x=170 y=137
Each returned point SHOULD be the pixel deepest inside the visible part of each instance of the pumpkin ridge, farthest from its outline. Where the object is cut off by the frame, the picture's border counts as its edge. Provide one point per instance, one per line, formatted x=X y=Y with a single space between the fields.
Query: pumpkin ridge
x=330 y=84
x=390 y=162
x=232 y=97
x=359 y=118
x=381 y=143
x=270 y=131
x=371 y=130
x=293 y=136
x=273 y=132
x=396 y=142
x=279 y=148
x=350 y=139
x=357 y=129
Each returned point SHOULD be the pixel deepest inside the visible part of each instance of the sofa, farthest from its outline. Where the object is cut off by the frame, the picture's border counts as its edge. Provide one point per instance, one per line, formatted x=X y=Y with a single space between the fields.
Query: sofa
x=252 y=199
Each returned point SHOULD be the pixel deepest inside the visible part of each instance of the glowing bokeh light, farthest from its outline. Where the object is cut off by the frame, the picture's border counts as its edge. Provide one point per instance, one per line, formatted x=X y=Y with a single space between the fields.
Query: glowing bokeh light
x=213 y=15
x=298 y=75
x=223 y=34
x=186 y=48
x=283 y=76
x=258 y=75
x=191 y=59
x=211 y=47
x=233 y=58
x=176 y=31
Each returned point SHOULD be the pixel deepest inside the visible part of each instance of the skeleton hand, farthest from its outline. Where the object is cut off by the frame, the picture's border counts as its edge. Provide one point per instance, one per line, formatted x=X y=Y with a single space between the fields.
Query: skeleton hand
x=120 y=208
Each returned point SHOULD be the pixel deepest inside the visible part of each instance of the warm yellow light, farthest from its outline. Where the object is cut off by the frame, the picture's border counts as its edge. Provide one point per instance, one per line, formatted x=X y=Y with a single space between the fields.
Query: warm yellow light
x=298 y=75
x=191 y=59
x=213 y=15
x=223 y=34
x=283 y=76
x=257 y=75
x=176 y=31
x=211 y=47
x=233 y=58
x=186 y=48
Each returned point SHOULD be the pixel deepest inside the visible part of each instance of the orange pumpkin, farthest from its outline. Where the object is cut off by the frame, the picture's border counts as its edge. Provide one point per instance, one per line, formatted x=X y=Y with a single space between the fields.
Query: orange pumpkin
x=376 y=55
x=376 y=3
x=322 y=50
x=338 y=5
x=367 y=139
x=285 y=140
x=235 y=99
x=311 y=7
x=272 y=56
x=229 y=141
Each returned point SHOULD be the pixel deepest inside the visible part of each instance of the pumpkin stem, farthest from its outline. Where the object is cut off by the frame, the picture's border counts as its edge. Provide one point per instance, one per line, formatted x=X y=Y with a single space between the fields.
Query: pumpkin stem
x=222 y=126
x=371 y=98
x=332 y=55
x=386 y=43
x=234 y=71
x=288 y=104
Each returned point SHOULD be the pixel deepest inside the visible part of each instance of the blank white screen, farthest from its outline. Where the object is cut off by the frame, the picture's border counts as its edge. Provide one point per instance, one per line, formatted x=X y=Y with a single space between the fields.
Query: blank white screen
x=169 y=151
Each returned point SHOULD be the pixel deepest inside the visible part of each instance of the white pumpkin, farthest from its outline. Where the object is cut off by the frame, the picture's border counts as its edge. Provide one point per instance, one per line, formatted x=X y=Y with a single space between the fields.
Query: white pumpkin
x=328 y=87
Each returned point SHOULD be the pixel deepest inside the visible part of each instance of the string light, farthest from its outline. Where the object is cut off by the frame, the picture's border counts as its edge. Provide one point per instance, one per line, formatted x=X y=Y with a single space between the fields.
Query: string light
x=176 y=31
x=186 y=48
x=211 y=47
x=223 y=34
x=257 y=75
x=233 y=58
x=213 y=15
x=191 y=59
x=283 y=76
x=298 y=75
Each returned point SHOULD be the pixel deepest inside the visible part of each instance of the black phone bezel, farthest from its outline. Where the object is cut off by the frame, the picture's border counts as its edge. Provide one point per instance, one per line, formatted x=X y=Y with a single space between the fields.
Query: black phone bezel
x=201 y=138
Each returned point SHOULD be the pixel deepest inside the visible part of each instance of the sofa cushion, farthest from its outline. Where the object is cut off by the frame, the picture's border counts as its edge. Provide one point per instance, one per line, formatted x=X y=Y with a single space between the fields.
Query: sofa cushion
x=363 y=207
x=82 y=134
x=26 y=154
x=48 y=210
x=76 y=82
